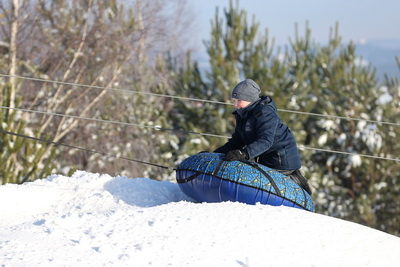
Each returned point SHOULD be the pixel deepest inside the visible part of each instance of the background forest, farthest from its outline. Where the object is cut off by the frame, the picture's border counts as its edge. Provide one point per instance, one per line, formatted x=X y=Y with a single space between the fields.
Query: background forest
x=120 y=80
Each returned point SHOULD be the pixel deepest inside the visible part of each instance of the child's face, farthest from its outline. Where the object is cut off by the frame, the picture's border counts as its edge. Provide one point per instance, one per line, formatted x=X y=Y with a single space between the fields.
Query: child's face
x=238 y=104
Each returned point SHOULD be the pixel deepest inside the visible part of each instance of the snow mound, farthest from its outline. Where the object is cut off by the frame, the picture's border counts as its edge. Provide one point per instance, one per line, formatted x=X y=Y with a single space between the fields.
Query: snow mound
x=99 y=220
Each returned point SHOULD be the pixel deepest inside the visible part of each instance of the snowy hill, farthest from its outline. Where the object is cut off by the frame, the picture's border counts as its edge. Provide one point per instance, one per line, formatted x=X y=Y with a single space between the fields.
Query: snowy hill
x=98 y=220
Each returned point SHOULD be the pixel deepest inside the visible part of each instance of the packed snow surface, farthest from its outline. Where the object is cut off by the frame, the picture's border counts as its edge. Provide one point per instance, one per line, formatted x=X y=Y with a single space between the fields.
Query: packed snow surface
x=98 y=220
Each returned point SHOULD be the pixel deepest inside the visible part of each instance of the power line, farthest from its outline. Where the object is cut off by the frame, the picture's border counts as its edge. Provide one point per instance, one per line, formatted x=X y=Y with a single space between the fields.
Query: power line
x=110 y=121
x=86 y=150
x=184 y=131
x=114 y=89
x=190 y=132
x=347 y=153
x=339 y=117
x=195 y=99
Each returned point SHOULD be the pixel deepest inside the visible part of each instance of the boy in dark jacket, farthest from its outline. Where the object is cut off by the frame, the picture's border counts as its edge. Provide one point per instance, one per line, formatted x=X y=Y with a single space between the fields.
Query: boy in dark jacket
x=260 y=134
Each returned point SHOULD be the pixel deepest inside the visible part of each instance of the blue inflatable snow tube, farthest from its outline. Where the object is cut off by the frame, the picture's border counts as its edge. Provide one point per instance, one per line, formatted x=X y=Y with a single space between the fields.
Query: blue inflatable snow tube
x=206 y=177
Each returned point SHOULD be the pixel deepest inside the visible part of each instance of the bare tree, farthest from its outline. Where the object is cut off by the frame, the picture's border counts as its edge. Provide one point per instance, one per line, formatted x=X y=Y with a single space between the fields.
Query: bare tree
x=96 y=43
x=13 y=50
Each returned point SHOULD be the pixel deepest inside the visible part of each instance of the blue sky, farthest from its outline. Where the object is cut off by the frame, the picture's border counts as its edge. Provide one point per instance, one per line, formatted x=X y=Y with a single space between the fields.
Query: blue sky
x=358 y=19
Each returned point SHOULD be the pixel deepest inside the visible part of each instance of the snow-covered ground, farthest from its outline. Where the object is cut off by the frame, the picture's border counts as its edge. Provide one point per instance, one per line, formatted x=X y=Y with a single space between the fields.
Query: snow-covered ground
x=98 y=220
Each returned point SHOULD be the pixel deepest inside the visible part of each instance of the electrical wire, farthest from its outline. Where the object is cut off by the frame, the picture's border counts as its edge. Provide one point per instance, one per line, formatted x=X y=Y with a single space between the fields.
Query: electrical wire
x=347 y=153
x=86 y=150
x=114 y=89
x=195 y=99
x=340 y=117
x=189 y=132
x=110 y=121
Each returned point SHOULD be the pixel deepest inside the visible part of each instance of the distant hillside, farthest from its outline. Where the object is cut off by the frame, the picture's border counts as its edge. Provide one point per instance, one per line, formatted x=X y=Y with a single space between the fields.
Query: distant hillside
x=381 y=54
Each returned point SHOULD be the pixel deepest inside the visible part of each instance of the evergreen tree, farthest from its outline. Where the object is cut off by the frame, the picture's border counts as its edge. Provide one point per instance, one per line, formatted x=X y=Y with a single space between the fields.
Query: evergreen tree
x=326 y=80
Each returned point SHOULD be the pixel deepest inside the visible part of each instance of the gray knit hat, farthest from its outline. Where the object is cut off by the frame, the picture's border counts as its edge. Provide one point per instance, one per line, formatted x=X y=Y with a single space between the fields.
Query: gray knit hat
x=246 y=90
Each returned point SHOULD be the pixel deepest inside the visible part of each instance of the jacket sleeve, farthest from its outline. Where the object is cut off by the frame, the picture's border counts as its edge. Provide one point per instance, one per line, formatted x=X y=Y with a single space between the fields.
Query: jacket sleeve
x=233 y=143
x=267 y=121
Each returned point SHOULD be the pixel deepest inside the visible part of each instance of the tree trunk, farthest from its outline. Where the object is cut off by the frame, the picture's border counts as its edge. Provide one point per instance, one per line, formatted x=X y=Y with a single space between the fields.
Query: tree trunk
x=13 y=51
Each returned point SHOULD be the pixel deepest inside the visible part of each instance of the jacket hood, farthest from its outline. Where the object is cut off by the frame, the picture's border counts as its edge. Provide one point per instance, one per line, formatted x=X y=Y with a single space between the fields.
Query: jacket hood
x=265 y=99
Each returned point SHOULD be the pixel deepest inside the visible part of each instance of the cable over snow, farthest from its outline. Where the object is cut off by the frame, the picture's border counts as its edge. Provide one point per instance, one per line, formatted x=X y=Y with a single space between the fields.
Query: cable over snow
x=98 y=220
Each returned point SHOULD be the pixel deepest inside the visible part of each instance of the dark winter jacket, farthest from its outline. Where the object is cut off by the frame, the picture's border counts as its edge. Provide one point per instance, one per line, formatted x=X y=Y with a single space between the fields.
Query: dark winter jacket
x=260 y=132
